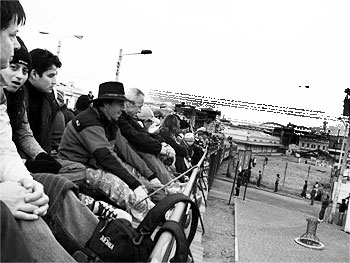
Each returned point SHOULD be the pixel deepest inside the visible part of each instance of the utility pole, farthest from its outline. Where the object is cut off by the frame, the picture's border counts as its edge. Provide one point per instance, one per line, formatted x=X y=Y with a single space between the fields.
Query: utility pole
x=346 y=112
x=118 y=64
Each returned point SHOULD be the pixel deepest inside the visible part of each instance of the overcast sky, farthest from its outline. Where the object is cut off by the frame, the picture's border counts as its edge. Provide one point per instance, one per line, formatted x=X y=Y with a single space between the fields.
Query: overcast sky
x=257 y=51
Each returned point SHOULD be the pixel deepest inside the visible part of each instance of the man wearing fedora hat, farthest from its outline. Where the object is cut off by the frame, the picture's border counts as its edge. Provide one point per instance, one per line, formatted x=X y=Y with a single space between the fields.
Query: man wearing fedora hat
x=94 y=139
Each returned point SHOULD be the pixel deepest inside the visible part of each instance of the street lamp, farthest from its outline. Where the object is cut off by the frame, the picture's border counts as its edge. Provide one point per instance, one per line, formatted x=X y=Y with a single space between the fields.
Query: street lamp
x=343 y=142
x=143 y=52
x=60 y=40
x=346 y=113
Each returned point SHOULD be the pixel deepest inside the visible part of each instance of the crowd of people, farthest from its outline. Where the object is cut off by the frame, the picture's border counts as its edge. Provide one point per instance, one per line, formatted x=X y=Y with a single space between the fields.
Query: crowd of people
x=123 y=150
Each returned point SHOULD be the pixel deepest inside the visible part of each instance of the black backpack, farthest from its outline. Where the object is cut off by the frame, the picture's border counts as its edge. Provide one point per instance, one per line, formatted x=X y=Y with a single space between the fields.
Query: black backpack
x=116 y=240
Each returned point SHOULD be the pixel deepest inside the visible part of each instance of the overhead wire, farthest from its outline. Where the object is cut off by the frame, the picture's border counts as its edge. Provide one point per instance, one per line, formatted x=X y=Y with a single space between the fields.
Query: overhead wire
x=199 y=100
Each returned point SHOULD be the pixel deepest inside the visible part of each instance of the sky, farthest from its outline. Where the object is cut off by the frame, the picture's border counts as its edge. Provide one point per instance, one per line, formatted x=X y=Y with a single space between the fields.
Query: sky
x=256 y=51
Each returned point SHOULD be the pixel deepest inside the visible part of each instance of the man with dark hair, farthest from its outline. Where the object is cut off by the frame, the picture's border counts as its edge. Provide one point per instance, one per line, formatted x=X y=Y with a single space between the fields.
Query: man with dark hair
x=25 y=237
x=42 y=107
x=82 y=103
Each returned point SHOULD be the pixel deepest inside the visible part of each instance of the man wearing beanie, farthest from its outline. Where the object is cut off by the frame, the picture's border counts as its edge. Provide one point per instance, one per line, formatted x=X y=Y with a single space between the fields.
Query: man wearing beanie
x=16 y=75
x=42 y=107
x=39 y=238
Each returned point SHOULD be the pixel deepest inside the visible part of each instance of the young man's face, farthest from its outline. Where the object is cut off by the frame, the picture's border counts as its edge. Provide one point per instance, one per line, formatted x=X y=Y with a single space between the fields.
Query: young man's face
x=15 y=75
x=9 y=43
x=46 y=82
x=133 y=109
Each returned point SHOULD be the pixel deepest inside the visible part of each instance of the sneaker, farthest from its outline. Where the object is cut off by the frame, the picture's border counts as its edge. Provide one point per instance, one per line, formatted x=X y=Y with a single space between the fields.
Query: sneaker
x=88 y=201
x=107 y=210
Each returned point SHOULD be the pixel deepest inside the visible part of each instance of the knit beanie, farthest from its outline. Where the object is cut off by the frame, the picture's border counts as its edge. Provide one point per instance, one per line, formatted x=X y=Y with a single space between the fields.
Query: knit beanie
x=22 y=55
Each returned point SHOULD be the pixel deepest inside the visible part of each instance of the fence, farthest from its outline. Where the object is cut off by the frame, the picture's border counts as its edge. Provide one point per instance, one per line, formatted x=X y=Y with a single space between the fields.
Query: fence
x=202 y=176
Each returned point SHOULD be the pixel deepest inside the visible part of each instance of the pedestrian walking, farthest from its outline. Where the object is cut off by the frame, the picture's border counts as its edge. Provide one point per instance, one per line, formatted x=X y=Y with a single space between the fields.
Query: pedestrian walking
x=266 y=160
x=324 y=205
x=258 y=182
x=277 y=182
x=238 y=184
x=312 y=194
x=319 y=192
x=342 y=208
x=303 y=193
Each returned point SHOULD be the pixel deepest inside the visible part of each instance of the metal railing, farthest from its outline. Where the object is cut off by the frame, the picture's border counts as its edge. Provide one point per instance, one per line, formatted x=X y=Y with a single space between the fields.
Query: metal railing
x=208 y=164
x=165 y=244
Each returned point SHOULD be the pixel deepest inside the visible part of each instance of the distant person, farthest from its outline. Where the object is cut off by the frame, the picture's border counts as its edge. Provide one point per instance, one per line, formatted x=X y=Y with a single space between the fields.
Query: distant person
x=313 y=194
x=276 y=183
x=258 y=182
x=91 y=97
x=238 y=183
x=147 y=119
x=82 y=103
x=324 y=205
x=319 y=193
x=67 y=113
x=266 y=160
x=303 y=193
x=342 y=209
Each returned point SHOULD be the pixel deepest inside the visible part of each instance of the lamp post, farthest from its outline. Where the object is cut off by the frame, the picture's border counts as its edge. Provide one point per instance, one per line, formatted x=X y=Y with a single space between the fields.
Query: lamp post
x=143 y=52
x=60 y=40
x=343 y=142
x=344 y=164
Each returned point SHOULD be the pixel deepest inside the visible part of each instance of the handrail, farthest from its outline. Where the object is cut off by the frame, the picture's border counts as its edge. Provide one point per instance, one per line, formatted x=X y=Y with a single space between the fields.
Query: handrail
x=164 y=243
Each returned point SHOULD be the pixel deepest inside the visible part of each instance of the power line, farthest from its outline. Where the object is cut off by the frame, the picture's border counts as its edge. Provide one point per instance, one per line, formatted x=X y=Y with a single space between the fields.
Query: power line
x=198 y=100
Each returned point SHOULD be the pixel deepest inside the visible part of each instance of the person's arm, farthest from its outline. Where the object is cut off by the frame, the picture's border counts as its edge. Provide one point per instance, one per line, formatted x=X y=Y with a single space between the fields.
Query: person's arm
x=11 y=165
x=139 y=138
x=95 y=141
x=24 y=139
x=132 y=157
x=58 y=126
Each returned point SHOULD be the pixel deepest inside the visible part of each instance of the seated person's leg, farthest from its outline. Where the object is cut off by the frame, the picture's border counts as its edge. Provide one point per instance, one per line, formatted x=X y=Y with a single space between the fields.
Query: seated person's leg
x=13 y=246
x=73 y=224
x=41 y=243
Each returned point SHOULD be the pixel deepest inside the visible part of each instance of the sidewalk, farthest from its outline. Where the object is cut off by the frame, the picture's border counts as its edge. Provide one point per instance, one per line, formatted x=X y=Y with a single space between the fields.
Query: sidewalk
x=266 y=233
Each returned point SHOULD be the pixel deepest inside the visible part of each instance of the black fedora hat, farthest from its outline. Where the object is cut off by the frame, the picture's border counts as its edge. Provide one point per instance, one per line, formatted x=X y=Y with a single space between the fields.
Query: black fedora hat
x=111 y=90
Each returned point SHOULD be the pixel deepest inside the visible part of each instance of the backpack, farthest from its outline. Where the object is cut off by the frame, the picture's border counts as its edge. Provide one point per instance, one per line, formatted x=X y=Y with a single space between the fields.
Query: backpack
x=116 y=240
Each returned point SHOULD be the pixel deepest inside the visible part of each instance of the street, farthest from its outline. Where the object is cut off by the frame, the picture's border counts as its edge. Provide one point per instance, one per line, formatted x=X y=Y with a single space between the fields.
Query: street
x=268 y=223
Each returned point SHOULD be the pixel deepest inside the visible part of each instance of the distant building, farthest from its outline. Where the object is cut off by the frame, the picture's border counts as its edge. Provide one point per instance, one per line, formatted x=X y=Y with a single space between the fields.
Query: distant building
x=313 y=142
x=251 y=139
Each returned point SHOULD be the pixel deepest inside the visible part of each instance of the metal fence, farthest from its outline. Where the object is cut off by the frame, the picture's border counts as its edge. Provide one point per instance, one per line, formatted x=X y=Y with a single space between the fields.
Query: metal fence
x=201 y=178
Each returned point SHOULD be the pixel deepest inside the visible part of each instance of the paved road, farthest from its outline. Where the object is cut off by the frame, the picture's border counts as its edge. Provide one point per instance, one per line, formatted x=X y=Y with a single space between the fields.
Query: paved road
x=267 y=224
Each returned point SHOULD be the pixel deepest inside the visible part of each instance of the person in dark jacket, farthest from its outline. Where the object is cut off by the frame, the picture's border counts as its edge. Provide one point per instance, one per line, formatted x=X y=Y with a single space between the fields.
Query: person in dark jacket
x=303 y=193
x=42 y=107
x=324 y=205
x=67 y=113
x=149 y=146
x=342 y=209
x=94 y=139
x=38 y=161
x=169 y=130
x=82 y=103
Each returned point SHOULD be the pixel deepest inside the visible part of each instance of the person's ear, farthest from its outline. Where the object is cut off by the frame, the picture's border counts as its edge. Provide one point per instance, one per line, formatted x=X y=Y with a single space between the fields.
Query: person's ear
x=33 y=74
